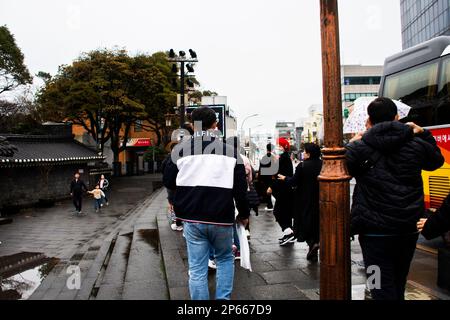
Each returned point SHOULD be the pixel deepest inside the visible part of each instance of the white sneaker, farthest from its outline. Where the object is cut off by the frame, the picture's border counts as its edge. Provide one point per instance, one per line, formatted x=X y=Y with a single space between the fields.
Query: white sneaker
x=248 y=234
x=212 y=264
x=173 y=226
x=267 y=209
x=179 y=228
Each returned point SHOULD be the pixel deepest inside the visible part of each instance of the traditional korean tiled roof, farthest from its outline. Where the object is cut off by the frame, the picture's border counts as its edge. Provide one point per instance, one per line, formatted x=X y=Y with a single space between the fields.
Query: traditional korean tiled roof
x=38 y=150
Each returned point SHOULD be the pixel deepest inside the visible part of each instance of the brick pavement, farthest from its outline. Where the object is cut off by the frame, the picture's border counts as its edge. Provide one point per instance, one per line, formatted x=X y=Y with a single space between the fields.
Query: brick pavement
x=57 y=232
x=138 y=256
x=279 y=273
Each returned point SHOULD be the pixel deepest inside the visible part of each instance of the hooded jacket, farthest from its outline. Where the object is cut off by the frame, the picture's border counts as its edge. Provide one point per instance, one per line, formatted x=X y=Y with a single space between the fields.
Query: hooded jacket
x=209 y=178
x=387 y=164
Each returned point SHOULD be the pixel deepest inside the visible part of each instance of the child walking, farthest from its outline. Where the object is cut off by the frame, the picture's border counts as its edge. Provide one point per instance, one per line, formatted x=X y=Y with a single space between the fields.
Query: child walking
x=98 y=197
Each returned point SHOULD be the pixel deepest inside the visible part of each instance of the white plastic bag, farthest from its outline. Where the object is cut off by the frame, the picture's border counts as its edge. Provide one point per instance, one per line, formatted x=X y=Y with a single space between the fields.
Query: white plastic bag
x=273 y=200
x=245 y=248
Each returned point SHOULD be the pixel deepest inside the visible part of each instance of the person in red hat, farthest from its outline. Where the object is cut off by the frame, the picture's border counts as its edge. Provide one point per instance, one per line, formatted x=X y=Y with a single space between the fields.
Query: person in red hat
x=284 y=194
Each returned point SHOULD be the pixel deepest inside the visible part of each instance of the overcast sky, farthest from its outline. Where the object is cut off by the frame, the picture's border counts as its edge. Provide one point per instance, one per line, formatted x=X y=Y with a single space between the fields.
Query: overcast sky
x=264 y=55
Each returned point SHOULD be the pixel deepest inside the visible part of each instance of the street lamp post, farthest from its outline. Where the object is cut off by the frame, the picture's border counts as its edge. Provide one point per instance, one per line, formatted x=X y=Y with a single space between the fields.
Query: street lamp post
x=335 y=272
x=182 y=106
x=251 y=153
x=243 y=122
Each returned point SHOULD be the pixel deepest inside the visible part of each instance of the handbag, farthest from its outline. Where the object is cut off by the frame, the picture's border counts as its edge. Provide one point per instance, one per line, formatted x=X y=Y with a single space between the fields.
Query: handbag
x=252 y=197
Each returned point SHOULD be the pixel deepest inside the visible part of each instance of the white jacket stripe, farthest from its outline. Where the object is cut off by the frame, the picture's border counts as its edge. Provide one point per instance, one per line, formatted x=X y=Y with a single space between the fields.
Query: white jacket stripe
x=206 y=170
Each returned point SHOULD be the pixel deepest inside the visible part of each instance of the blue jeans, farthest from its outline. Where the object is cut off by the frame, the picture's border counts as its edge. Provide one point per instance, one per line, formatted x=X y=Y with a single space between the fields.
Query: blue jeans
x=98 y=203
x=200 y=238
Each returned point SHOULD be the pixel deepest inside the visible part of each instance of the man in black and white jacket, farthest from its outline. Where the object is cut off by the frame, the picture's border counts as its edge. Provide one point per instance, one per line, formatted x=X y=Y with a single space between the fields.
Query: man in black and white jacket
x=209 y=178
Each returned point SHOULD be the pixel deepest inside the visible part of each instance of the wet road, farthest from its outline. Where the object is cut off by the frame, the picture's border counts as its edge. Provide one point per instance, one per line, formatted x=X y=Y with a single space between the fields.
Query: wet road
x=57 y=231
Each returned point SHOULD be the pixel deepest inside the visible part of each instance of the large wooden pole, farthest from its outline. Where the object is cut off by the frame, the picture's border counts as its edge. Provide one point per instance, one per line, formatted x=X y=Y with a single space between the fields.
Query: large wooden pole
x=335 y=272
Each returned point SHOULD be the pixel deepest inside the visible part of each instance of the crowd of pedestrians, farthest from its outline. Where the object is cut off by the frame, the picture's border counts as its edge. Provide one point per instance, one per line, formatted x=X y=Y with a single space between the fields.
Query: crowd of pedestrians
x=213 y=187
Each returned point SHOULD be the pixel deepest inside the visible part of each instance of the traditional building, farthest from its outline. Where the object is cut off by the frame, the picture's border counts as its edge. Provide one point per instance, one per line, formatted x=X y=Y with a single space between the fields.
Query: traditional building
x=132 y=158
x=42 y=166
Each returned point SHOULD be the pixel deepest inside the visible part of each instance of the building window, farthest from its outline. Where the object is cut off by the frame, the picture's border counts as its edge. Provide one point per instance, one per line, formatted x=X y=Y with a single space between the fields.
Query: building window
x=138 y=126
x=350 y=81
x=351 y=97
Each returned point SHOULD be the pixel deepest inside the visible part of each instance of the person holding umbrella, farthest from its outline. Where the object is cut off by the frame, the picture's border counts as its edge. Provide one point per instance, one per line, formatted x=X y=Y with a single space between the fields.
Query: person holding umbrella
x=388 y=200
x=357 y=120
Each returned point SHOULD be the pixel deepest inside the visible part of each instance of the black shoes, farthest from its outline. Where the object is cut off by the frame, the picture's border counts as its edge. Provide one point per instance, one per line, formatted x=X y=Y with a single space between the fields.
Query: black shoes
x=313 y=254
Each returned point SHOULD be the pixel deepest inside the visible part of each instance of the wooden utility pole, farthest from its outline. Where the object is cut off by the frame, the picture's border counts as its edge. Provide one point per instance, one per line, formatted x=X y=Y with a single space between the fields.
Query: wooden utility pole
x=335 y=272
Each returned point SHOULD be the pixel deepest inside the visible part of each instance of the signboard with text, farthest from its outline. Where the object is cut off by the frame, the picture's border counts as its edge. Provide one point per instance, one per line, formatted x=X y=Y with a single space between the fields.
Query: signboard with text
x=220 y=114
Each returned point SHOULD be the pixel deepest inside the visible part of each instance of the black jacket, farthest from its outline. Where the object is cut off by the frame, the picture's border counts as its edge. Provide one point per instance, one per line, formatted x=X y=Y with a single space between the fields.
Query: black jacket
x=439 y=222
x=77 y=187
x=387 y=164
x=170 y=192
x=306 y=199
x=285 y=168
x=209 y=177
x=268 y=167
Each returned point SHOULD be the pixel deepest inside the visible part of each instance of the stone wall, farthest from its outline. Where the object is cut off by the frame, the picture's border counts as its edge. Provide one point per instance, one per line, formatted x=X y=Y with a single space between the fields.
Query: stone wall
x=26 y=186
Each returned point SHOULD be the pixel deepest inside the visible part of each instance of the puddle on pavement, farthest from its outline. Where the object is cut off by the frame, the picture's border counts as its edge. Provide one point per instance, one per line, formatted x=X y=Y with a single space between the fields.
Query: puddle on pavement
x=22 y=273
x=151 y=237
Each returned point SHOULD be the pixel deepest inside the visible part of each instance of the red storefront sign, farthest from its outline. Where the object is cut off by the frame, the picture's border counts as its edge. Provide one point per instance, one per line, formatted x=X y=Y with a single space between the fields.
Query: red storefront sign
x=139 y=142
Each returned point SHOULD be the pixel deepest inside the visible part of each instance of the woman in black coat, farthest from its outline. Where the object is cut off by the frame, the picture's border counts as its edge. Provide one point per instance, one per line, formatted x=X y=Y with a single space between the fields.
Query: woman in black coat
x=306 y=216
x=438 y=223
x=284 y=195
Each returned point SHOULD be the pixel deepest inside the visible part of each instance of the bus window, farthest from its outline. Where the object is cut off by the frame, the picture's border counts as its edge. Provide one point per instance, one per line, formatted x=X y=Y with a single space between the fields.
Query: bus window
x=417 y=87
x=443 y=105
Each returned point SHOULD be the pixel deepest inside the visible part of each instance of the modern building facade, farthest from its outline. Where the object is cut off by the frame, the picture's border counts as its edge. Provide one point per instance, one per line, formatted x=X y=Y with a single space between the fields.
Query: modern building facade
x=423 y=20
x=359 y=81
x=285 y=129
x=312 y=126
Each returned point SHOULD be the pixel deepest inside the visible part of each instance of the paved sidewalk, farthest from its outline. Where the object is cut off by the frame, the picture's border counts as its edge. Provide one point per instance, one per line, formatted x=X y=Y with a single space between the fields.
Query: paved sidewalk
x=58 y=232
x=88 y=243
x=130 y=252
x=279 y=273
